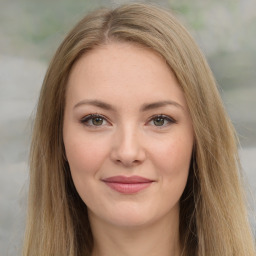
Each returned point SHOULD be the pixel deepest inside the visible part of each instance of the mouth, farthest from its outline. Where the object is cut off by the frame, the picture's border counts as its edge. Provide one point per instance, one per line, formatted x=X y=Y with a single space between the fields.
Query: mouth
x=128 y=185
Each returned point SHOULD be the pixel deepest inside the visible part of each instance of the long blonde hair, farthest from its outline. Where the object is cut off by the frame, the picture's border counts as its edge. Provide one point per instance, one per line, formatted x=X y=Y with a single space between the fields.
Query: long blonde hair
x=213 y=216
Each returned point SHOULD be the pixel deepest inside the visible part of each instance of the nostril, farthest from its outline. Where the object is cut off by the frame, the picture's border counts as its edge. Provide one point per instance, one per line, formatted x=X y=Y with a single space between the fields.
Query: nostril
x=127 y=148
x=128 y=163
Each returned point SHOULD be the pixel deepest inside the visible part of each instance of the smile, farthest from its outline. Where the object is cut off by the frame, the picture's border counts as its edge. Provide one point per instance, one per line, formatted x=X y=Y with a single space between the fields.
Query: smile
x=127 y=185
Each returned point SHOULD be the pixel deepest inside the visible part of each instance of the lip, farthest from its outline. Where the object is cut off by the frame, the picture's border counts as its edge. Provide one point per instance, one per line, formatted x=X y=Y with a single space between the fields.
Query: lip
x=128 y=185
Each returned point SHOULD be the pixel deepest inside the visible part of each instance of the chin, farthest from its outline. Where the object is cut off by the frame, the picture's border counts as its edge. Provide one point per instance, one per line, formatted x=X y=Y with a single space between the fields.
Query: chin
x=132 y=217
x=131 y=222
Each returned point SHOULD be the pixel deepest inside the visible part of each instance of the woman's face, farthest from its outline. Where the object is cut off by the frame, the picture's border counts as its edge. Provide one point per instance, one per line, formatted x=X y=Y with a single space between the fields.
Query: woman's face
x=127 y=134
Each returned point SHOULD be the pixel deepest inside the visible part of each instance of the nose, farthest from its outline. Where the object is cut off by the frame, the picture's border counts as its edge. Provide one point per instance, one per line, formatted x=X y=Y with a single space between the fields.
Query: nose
x=127 y=148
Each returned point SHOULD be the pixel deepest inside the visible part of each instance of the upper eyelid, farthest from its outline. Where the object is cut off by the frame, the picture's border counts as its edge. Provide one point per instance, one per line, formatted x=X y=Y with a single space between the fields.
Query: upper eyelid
x=93 y=115
x=163 y=116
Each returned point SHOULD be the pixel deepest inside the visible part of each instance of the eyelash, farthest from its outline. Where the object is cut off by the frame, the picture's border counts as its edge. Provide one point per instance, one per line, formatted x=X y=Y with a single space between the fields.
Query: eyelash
x=85 y=120
x=169 y=120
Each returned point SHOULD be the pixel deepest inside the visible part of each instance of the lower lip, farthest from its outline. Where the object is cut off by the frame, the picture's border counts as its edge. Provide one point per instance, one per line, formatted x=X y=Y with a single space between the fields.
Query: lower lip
x=128 y=188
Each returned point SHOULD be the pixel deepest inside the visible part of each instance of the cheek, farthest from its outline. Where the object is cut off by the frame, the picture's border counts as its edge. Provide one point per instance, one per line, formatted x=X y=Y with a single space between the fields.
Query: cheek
x=174 y=154
x=85 y=157
x=172 y=159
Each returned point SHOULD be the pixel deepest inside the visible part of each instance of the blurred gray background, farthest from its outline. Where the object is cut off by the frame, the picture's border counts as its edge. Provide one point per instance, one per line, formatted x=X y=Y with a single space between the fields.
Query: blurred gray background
x=30 y=32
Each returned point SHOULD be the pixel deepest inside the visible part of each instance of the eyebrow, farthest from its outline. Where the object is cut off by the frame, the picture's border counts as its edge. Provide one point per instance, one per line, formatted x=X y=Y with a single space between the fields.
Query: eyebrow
x=144 y=107
x=96 y=103
x=159 y=104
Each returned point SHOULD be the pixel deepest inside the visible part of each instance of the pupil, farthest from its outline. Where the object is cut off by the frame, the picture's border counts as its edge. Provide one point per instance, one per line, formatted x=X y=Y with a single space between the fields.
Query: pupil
x=159 y=121
x=97 y=121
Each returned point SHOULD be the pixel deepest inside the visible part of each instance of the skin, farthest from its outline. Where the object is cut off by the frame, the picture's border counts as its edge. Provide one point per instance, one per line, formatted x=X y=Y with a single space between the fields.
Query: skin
x=127 y=139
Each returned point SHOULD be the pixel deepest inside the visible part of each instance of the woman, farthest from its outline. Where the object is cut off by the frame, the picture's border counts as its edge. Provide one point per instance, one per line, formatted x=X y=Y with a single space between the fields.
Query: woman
x=132 y=151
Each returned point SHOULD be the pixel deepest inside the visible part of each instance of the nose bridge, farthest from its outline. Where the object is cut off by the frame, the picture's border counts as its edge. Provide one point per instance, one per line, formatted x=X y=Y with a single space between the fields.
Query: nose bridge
x=128 y=147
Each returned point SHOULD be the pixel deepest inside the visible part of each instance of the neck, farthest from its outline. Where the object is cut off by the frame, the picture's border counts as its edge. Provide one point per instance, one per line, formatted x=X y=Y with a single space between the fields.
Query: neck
x=160 y=238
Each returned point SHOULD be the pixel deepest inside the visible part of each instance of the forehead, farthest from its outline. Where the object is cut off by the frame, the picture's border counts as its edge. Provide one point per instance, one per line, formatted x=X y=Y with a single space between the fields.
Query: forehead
x=123 y=71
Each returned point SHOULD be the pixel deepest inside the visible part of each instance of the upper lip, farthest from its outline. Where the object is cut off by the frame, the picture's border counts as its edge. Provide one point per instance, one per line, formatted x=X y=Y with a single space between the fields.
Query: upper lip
x=127 y=180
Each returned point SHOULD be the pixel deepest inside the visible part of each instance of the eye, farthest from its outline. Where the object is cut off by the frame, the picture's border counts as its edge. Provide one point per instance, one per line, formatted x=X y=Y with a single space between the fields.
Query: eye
x=161 y=120
x=94 y=120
